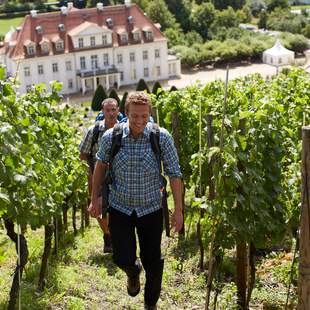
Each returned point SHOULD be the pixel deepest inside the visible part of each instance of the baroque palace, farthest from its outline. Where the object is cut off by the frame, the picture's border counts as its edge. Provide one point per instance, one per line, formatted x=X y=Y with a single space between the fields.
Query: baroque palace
x=82 y=48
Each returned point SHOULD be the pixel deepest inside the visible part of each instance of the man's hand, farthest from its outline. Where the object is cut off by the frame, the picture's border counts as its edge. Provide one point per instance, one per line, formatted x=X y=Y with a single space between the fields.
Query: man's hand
x=95 y=207
x=177 y=220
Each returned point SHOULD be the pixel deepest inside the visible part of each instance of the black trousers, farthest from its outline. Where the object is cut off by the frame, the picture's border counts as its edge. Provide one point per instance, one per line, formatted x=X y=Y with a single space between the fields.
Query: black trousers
x=149 y=230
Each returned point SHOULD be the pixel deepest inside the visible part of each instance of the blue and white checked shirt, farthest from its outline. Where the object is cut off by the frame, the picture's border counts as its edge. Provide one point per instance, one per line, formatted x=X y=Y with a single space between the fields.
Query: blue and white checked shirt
x=85 y=145
x=135 y=170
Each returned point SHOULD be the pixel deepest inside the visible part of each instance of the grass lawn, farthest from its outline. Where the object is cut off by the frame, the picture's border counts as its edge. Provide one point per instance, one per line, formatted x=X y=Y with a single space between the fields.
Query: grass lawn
x=83 y=278
x=300 y=7
x=6 y=23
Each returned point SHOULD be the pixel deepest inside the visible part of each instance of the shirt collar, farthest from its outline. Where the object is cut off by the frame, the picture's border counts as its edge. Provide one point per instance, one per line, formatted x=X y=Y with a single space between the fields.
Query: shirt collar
x=146 y=131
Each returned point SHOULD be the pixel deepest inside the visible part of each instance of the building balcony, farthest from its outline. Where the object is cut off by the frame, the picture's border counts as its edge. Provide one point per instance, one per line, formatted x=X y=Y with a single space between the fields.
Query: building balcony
x=97 y=72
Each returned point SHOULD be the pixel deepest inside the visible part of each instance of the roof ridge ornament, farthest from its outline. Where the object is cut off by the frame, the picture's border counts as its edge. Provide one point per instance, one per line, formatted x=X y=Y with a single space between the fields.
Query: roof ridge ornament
x=99 y=6
x=128 y=3
x=34 y=13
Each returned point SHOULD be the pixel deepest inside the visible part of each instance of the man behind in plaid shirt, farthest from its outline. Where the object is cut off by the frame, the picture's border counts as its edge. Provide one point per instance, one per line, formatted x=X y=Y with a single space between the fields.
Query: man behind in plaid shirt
x=135 y=197
x=88 y=153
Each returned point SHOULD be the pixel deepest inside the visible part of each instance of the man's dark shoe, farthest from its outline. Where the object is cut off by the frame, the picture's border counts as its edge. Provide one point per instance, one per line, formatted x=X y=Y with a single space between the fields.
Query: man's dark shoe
x=107 y=244
x=146 y=307
x=133 y=284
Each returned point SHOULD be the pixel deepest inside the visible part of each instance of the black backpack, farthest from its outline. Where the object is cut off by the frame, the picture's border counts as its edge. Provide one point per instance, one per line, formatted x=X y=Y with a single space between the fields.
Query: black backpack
x=115 y=147
x=95 y=137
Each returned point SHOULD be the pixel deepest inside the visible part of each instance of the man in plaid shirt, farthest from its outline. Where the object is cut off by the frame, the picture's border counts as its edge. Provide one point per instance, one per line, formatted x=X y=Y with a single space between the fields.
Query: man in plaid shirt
x=135 y=197
x=88 y=153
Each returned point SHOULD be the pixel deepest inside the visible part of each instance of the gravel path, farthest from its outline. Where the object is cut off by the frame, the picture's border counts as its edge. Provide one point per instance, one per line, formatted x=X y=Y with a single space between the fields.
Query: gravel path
x=208 y=75
x=190 y=77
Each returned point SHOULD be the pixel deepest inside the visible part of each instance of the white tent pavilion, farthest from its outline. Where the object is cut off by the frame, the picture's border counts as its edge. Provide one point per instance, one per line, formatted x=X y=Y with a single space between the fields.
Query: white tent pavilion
x=278 y=55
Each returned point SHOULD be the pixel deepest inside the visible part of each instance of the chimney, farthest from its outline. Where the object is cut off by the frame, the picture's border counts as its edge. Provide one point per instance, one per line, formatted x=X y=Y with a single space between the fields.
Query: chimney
x=100 y=6
x=128 y=3
x=64 y=10
x=70 y=5
x=34 y=13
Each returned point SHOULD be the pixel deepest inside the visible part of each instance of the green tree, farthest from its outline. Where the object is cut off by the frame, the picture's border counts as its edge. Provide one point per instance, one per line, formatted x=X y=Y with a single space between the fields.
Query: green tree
x=273 y=4
x=181 y=9
x=175 y=37
x=306 y=31
x=141 y=3
x=142 y=86
x=202 y=18
x=192 y=38
x=224 y=4
x=158 y=12
x=98 y=97
x=283 y=20
x=122 y=103
x=80 y=4
x=244 y=15
x=113 y=94
x=226 y=18
x=296 y=42
x=190 y=56
x=157 y=89
x=257 y=6
x=263 y=18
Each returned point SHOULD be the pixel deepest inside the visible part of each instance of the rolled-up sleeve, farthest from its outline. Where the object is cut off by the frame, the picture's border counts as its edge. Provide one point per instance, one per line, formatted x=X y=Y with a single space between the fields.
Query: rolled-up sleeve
x=105 y=143
x=169 y=155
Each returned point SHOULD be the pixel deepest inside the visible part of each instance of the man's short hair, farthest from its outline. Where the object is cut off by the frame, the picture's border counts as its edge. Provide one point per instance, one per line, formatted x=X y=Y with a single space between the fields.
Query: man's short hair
x=138 y=98
x=107 y=100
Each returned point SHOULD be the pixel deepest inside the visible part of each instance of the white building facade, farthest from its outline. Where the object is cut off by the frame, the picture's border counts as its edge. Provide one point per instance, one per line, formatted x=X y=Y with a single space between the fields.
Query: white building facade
x=112 y=46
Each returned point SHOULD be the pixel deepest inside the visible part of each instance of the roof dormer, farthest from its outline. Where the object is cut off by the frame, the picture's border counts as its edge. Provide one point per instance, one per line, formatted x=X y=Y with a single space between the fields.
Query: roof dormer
x=136 y=34
x=123 y=35
x=45 y=46
x=148 y=33
x=31 y=47
x=59 y=44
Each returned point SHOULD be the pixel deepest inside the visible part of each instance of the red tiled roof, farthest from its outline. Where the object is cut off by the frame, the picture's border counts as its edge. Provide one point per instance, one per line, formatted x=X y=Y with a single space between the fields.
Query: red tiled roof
x=44 y=39
x=28 y=42
x=82 y=27
x=55 y=38
x=136 y=29
x=77 y=20
x=121 y=30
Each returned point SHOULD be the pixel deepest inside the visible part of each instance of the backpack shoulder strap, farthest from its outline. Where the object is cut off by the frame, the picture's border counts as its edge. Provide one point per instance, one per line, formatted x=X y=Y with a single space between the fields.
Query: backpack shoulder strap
x=117 y=135
x=95 y=135
x=154 y=139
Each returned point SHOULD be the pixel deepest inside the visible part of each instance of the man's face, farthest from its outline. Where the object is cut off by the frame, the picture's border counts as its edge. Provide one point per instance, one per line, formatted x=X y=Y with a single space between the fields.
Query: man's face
x=110 y=111
x=138 y=116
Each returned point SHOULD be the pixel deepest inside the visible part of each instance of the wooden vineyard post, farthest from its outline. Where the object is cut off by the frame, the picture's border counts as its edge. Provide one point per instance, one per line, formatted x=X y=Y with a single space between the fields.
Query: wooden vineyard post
x=241 y=244
x=211 y=196
x=304 y=243
x=176 y=138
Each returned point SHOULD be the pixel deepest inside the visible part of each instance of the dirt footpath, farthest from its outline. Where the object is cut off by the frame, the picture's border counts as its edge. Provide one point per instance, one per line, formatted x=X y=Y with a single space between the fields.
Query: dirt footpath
x=190 y=77
x=208 y=75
